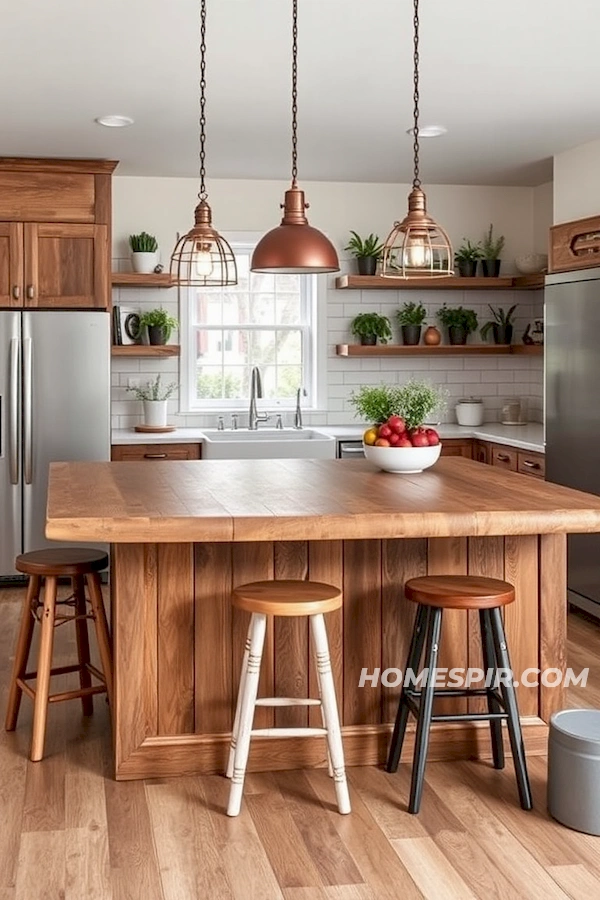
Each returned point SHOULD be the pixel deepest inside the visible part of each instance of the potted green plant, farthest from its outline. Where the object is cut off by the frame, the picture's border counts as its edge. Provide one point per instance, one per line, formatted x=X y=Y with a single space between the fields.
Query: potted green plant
x=370 y=327
x=154 y=397
x=465 y=258
x=501 y=326
x=414 y=401
x=144 y=252
x=491 y=249
x=460 y=322
x=367 y=252
x=159 y=324
x=410 y=318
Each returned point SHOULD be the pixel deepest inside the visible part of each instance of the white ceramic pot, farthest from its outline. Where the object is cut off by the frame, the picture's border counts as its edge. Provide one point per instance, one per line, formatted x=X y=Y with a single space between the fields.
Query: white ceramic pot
x=469 y=412
x=155 y=413
x=144 y=263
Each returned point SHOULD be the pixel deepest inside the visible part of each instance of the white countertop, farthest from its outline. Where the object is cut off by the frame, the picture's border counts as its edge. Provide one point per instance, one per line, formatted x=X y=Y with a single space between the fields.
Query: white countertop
x=523 y=437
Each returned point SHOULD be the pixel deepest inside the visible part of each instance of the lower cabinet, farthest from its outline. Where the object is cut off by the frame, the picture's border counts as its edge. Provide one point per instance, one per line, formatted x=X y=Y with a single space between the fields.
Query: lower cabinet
x=137 y=452
x=458 y=447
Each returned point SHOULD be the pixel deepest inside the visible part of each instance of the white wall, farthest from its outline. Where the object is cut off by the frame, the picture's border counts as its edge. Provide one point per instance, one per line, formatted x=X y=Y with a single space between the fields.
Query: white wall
x=164 y=206
x=577 y=183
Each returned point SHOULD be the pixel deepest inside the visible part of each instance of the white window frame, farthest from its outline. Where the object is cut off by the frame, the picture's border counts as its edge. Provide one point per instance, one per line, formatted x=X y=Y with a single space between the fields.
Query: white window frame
x=313 y=343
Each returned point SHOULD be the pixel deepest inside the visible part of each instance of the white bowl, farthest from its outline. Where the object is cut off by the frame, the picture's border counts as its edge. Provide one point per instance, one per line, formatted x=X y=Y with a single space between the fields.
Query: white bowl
x=403 y=460
x=531 y=263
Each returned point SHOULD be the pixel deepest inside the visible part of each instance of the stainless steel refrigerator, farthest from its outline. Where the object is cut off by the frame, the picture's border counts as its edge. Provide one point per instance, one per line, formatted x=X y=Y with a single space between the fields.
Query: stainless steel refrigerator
x=572 y=411
x=54 y=405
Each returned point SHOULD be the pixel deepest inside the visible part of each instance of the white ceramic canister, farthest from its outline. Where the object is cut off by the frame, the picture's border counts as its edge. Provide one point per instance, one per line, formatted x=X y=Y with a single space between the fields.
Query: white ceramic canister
x=469 y=411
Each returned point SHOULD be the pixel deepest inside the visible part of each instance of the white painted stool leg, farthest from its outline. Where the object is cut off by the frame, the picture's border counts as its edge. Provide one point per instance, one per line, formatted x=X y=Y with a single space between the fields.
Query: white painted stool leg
x=258 y=626
x=330 y=712
x=329 y=766
x=238 y=706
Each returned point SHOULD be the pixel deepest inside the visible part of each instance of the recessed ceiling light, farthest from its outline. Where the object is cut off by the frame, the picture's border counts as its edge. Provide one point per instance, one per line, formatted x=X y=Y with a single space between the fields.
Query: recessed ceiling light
x=429 y=131
x=114 y=121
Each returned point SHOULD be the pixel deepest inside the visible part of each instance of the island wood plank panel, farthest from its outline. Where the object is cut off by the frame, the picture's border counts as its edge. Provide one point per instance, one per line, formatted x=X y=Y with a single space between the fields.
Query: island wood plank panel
x=400 y=561
x=215 y=678
x=362 y=630
x=553 y=617
x=325 y=564
x=521 y=567
x=175 y=625
x=486 y=557
x=291 y=639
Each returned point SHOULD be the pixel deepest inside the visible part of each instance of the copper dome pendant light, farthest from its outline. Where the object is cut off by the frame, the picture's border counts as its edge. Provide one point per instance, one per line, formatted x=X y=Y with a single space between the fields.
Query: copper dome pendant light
x=294 y=246
x=417 y=247
x=202 y=258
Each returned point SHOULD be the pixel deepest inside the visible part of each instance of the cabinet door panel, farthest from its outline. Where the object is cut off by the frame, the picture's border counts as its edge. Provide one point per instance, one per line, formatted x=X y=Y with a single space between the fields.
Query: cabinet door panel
x=66 y=266
x=29 y=196
x=11 y=264
x=481 y=451
x=457 y=447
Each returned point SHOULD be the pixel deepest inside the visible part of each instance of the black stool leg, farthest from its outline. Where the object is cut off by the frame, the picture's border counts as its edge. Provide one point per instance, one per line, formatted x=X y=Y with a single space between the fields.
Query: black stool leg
x=512 y=710
x=489 y=662
x=434 y=627
x=412 y=662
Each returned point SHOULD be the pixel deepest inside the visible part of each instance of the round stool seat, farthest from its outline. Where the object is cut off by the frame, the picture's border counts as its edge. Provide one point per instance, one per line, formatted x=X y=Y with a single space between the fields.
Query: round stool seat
x=459 y=591
x=61 y=561
x=287 y=598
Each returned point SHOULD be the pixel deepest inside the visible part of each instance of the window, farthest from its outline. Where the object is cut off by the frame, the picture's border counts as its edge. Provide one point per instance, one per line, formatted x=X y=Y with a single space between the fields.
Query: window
x=266 y=321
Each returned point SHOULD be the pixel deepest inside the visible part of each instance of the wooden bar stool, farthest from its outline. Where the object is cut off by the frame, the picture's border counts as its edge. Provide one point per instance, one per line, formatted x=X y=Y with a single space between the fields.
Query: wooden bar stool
x=81 y=566
x=433 y=594
x=285 y=598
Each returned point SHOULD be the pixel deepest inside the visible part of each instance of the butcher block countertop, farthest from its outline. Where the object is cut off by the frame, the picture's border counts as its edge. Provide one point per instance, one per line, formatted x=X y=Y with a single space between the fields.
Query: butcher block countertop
x=276 y=499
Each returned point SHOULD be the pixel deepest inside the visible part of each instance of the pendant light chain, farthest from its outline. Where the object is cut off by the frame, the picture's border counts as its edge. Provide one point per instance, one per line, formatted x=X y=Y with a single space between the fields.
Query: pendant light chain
x=202 y=194
x=416 y=179
x=295 y=93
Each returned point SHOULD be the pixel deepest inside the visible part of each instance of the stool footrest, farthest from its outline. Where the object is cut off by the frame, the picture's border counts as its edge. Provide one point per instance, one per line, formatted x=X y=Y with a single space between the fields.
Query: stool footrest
x=75 y=695
x=471 y=717
x=286 y=701
x=288 y=732
x=59 y=670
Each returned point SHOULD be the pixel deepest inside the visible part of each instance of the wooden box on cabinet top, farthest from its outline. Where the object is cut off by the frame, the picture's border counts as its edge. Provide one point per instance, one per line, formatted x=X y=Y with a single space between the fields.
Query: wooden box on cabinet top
x=137 y=452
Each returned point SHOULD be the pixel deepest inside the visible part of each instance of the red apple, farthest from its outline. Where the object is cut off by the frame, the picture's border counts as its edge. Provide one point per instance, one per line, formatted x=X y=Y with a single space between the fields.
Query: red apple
x=404 y=442
x=396 y=423
x=384 y=431
x=382 y=442
x=394 y=438
x=419 y=439
x=433 y=437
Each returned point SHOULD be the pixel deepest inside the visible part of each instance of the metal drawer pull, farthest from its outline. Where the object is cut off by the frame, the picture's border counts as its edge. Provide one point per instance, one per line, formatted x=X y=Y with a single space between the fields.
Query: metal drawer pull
x=353 y=450
x=16 y=292
x=503 y=457
x=155 y=455
x=531 y=465
x=30 y=292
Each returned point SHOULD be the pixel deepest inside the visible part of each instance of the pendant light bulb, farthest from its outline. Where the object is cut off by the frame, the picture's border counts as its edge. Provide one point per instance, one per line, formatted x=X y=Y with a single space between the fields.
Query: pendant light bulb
x=417 y=247
x=203 y=260
x=294 y=246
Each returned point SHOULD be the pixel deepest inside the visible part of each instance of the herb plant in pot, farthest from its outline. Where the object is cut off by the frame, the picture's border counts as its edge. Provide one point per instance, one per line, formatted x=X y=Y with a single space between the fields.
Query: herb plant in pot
x=501 y=326
x=144 y=252
x=159 y=324
x=491 y=249
x=466 y=258
x=460 y=322
x=410 y=318
x=367 y=252
x=370 y=327
x=154 y=397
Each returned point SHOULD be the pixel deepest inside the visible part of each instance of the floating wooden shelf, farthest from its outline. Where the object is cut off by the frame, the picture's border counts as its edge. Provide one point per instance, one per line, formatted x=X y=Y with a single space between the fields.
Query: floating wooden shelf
x=145 y=350
x=440 y=350
x=134 y=279
x=378 y=282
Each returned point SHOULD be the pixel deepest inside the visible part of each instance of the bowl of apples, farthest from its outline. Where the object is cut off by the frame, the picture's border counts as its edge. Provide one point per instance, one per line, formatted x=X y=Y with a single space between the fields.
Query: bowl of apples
x=395 y=448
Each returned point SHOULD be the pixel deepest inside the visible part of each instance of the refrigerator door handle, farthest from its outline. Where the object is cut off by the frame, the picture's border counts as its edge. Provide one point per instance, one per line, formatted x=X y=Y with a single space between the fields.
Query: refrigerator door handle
x=13 y=411
x=27 y=410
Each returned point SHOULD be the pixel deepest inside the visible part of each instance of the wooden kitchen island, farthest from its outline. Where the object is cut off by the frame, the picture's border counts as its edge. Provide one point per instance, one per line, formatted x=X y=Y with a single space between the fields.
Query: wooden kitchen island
x=183 y=533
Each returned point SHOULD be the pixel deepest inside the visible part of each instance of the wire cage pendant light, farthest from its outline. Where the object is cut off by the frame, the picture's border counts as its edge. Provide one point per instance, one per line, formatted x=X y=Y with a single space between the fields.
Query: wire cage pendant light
x=294 y=246
x=417 y=247
x=202 y=257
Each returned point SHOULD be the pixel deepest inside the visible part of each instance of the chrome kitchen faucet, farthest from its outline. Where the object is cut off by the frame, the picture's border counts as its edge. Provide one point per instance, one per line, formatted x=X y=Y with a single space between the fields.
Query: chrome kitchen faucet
x=255 y=392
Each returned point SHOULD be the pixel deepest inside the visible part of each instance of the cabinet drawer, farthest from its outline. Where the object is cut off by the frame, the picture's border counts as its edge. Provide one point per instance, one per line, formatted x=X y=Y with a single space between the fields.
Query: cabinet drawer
x=457 y=447
x=531 y=464
x=504 y=457
x=132 y=452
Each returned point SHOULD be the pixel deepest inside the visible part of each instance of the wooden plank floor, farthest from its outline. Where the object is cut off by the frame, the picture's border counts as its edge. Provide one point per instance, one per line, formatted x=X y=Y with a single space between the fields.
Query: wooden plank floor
x=69 y=832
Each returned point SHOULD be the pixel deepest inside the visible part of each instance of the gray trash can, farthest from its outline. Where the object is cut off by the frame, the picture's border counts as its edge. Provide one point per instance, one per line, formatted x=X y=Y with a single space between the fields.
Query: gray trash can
x=574 y=769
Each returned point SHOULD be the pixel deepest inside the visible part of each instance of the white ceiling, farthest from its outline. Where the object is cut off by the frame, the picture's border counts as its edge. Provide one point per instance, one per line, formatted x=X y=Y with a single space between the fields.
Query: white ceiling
x=514 y=81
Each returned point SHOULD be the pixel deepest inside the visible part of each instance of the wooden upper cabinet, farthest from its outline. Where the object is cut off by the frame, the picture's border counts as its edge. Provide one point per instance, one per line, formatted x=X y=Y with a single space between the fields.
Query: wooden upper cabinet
x=11 y=264
x=65 y=266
